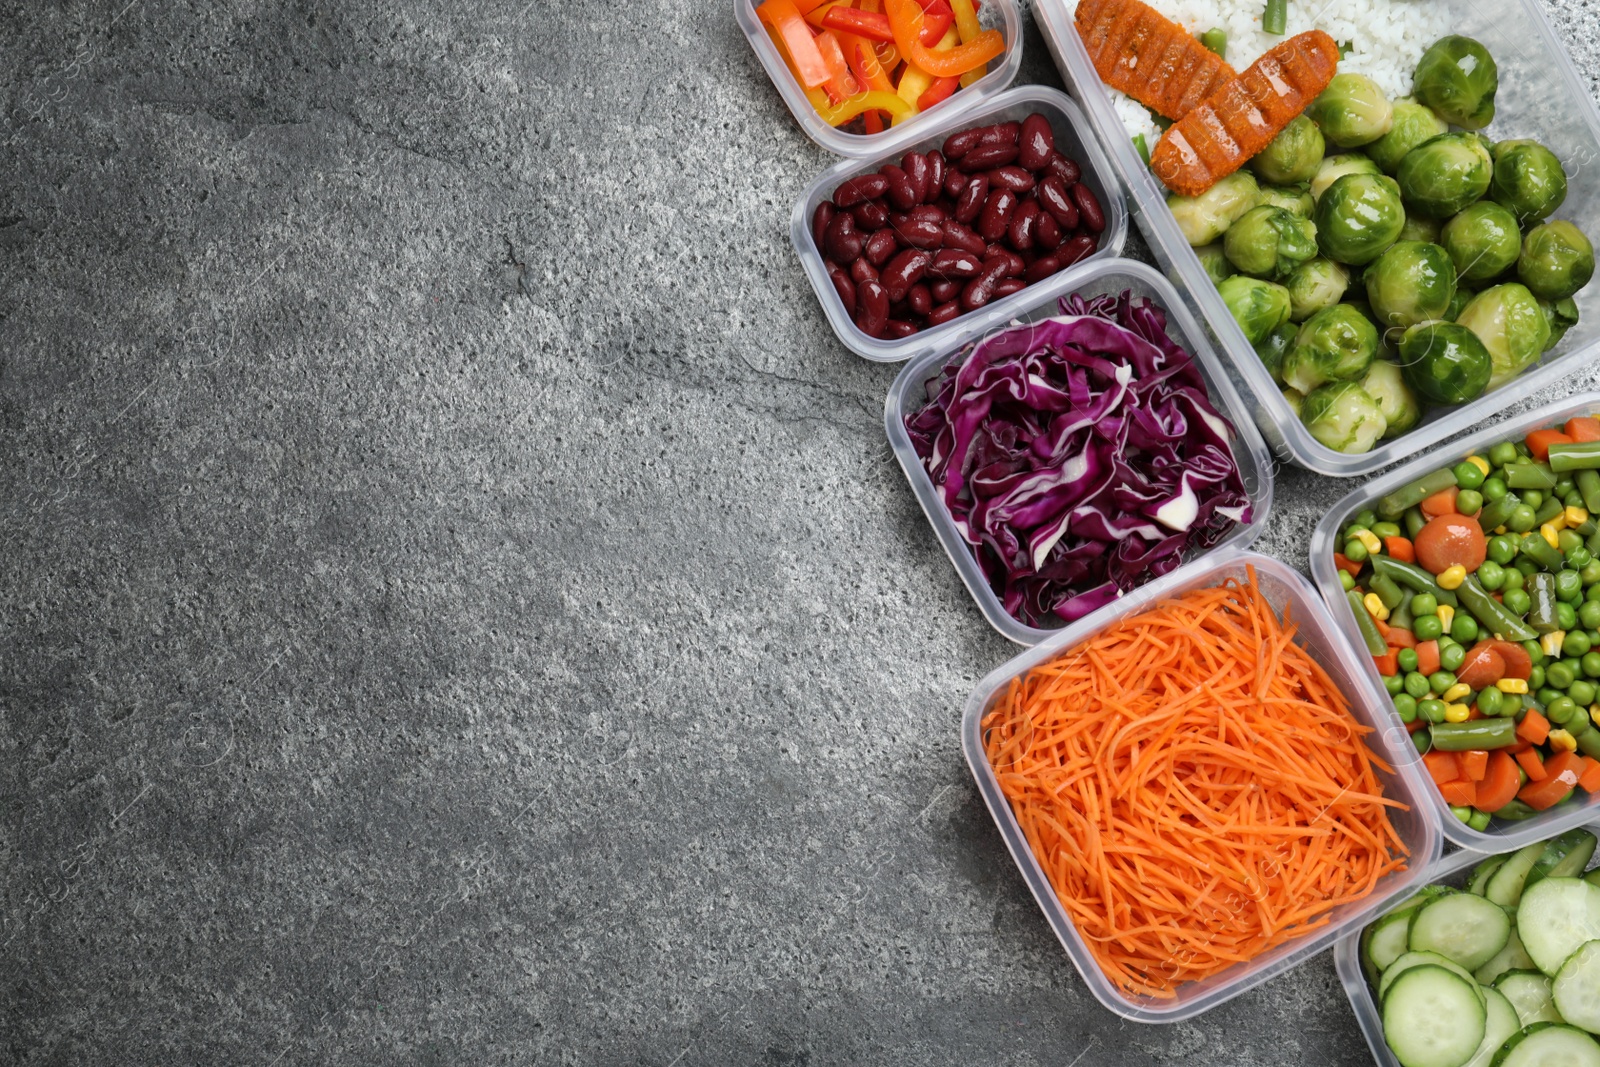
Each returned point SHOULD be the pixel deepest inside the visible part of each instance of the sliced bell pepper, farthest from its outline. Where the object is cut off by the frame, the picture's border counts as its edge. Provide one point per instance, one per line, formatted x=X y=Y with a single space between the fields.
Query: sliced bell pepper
x=863 y=60
x=936 y=18
x=1500 y=782
x=805 y=7
x=966 y=19
x=801 y=46
x=817 y=14
x=1583 y=428
x=841 y=113
x=906 y=19
x=841 y=84
x=869 y=24
x=1539 y=442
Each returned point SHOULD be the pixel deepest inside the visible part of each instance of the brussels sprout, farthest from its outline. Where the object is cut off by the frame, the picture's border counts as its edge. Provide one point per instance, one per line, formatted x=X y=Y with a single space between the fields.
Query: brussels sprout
x=1386 y=385
x=1343 y=416
x=1293 y=155
x=1352 y=111
x=1274 y=348
x=1214 y=262
x=1562 y=315
x=1295 y=399
x=1268 y=242
x=1511 y=325
x=1316 y=284
x=1292 y=198
x=1443 y=175
x=1556 y=261
x=1258 y=307
x=1206 y=217
x=1444 y=362
x=1528 y=180
x=1333 y=168
x=1413 y=124
x=1483 y=241
x=1418 y=228
x=1411 y=282
x=1358 y=300
x=1457 y=77
x=1458 y=301
x=1359 y=216
x=1333 y=345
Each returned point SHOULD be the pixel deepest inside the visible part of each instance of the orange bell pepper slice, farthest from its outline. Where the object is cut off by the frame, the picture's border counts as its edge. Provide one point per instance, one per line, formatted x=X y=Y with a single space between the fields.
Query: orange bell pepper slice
x=841 y=84
x=906 y=19
x=801 y=46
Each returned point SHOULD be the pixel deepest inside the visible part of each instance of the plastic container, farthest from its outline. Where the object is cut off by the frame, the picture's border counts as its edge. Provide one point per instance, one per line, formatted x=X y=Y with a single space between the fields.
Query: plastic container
x=1089 y=278
x=1073 y=139
x=1540 y=96
x=1347 y=953
x=1321 y=637
x=1502 y=834
x=1001 y=15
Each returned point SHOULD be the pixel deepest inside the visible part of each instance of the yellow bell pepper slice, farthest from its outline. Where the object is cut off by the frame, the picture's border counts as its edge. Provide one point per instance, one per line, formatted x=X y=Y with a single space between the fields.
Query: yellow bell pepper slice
x=877 y=100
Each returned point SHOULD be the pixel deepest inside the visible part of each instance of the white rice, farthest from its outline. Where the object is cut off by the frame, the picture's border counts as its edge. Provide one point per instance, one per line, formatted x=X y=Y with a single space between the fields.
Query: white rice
x=1385 y=39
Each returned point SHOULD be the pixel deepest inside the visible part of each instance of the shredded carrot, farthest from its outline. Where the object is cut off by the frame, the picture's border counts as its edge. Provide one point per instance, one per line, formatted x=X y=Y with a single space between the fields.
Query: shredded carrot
x=1194 y=786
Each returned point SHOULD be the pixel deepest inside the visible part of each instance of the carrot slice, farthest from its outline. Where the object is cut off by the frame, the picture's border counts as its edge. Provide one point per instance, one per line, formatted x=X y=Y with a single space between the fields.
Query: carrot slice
x=1388 y=663
x=1583 y=428
x=1427 y=656
x=1139 y=51
x=1561 y=775
x=1462 y=793
x=1400 y=637
x=1474 y=764
x=1442 y=766
x=1500 y=782
x=1533 y=727
x=1589 y=779
x=1347 y=565
x=1528 y=759
x=1400 y=548
x=1441 y=503
x=1451 y=540
x=1483 y=666
x=1539 y=442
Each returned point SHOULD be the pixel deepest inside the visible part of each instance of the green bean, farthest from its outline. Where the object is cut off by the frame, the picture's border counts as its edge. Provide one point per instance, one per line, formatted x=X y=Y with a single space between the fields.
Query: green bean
x=1547 y=511
x=1530 y=476
x=1493 y=617
x=1415 y=521
x=1216 y=40
x=1476 y=734
x=1538 y=549
x=1515 y=810
x=1364 y=622
x=1542 y=610
x=1495 y=513
x=1401 y=614
x=1413 y=577
x=1388 y=592
x=1593 y=544
x=1275 y=18
x=1395 y=504
x=1578 y=455
x=1588 y=483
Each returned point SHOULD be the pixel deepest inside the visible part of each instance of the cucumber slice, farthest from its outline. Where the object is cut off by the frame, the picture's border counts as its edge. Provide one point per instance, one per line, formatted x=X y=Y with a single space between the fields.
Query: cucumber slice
x=1529 y=994
x=1593 y=877
x=1432 y=1018
x=1576 y=988
x=1500 y=1024
x=1386 y=941
x=1555 y=918
x=1549 y=1045
x=1465 y=928
x=1424 y=959
x=1506 y=884
x=1511 y=958
x=1483 y=872
x=1563 y=857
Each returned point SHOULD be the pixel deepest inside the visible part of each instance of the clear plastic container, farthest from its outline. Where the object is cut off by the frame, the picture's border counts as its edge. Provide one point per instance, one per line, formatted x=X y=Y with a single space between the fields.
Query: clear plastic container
x=1073 y=139
x=1090 y=278
x=1502 y=834
x=1452 y=869
x=1284 y=587
x=1001 y=15
x=1540 y=96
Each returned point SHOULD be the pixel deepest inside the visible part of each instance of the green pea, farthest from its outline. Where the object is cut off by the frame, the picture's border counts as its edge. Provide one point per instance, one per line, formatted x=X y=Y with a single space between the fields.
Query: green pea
x=1423 y=604
x=1561 y=710
x=1515 y=600
x=1422 y=741
x=1480 y=820
x=1503 y=453
x=1567 y=541
x=1489 y=701
x=1589 y=614
x=1416 y=684
x=1558 y=675
x=1468 y=502
x=1502 y=550
x=1451 y=657
x=1566 y=615
x=1521 y=519
x=1405 y=705
x=1393 y=684
x=1347 y=580
x=1535 y=679
x=1408 y=659
x=1579 y=558
x=1564 y=485
x=1386 y=529
x=1569 y=587
x=1367 y=518
x=1572 y=498
x=1355 y=551
x=1576 y=643
x=1427 y=627
x=1533 y=498
x=1546 y=695
x=1432 y=710
x=1527 y=566
x=1591 y=664
x=1582 y=692
x=1439 y=681
x=1534 y=650
x=1593 y=592
x=1468 y=476
x=1493 y=489
x=1514 y=579
x=1491 y=575
x=1464 y=628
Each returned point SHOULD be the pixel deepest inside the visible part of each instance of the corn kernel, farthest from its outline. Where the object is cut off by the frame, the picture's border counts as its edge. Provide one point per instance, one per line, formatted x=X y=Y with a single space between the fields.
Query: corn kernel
x=1500 y=529
x=1558 y=738
x=1514 y=686
x=1594 y=713
x=1576 y=516
x=1548 y=531
x=1375 y=607
x=1453 y=577
x=1447 y=616
x=1370 y=541
x=1552 y=642
x=1481 y=463
x=1456 y=693
x=1457 y=713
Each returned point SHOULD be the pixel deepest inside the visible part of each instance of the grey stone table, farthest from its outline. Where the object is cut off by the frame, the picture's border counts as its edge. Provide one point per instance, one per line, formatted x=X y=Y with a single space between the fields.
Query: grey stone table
x=456 y=601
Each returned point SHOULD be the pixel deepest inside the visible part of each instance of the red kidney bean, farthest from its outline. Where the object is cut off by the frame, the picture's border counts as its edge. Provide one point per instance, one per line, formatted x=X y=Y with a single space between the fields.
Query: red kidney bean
x=879 y=247
x=843 y=241
x=1038 y=140
x=898 y=328
x=1065 y=169
x=955 y=183
x=945 y=291
x=872 y=309
x=852 y=191
x=844 y=285
x=904 y=271
x=919 y=230
x=980 y=290
x=1042 y=268
x=1046 y=232
x=916 y=167
x=955 y=263
x=992 y=222
x=1088 y=208
x=1023 y=223
x=944 y=312
x=1076 y=249
x=920 y=298
x=863 y=272
x=1014 y=178
x=936 y=171
x=899 y=309
x=959 y=144
x=963 y=237
x=819 y=221
x=902 y=194
x=1009 y=286
x=1015 y=264
x=871 y=215
x=971 y=199
x=1054 y=198
x=946 y=206
x=988 y=157
x=1001 y=133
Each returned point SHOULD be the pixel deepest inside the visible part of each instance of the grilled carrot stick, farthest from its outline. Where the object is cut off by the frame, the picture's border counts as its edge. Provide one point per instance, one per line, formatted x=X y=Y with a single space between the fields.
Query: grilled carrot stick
x=1143 y=53
x=1237 y=121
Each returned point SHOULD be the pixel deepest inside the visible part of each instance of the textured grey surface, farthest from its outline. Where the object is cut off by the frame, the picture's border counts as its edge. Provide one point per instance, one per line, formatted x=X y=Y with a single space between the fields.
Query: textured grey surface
x=456 y=601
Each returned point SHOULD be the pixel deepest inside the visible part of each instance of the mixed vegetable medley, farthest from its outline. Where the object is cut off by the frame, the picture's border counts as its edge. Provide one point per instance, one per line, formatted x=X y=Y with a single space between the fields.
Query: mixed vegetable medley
x=1477 y=591
x=1504 y=972
x=865 y=63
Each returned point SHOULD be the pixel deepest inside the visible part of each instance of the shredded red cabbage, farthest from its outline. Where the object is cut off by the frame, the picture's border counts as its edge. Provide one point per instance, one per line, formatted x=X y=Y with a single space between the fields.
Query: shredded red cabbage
x=1079 y=456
